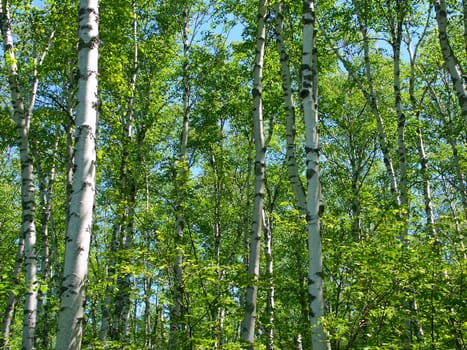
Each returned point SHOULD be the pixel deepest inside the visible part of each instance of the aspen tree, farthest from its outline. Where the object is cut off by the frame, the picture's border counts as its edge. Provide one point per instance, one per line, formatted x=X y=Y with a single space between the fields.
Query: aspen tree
x=78 y=235
x=416 y=106
x=309 y=94
x=249 y=320
x=396 y=21
x=179 y=309
x=46 y=193
x=455 y=71
x=450 y=60
x=268 y=227
x=22 y=114
x=292 y=167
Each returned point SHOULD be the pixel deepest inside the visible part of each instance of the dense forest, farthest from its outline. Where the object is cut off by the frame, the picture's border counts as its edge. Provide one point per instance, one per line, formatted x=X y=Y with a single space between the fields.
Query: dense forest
x=224 y=174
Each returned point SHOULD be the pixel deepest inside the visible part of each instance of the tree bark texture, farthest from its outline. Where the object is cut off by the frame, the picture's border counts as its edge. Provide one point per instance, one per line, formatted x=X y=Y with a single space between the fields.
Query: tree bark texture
x=249 y=320
x=450 y=60
x=268 y=231
x=292 y=167
x=22 y=119
x=309 y=94
x=79 y=229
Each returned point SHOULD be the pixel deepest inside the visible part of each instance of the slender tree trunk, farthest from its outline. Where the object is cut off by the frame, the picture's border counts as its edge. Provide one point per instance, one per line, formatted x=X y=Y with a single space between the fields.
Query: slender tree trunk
x=46 y=189
x=450 y=60
x=356 y=168
x=148 y=331
x=464 y=13
x=309 y=94
x=22 y=119
x=430 y=218
x=129 y=192
x=70 y=155
x=217 y=309
x=248 y=187
x=456 y=163
x=106 y=327
x=371 y=97
x=249 y=320
x=292 y=167
x=396 y=23
x=396 y=33
x=270 y=280
x=178 y=331
x=78 y=236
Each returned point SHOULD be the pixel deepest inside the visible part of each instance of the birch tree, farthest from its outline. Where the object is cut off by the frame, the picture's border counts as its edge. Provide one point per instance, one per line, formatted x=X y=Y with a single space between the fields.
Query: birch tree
x=22 y=113
x=451 y=62
x=79 y=228
x=249 y=319
x=292 y=166
x=179 y=309
x=309 y=95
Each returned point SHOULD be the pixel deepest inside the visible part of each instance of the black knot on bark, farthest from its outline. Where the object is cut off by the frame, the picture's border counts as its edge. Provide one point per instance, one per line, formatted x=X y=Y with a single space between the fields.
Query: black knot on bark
x=304 y=93
x=256 y=92
x=310 y=173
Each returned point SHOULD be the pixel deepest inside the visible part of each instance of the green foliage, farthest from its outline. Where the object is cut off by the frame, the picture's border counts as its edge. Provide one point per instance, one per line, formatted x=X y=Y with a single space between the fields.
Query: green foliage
x=373 y=280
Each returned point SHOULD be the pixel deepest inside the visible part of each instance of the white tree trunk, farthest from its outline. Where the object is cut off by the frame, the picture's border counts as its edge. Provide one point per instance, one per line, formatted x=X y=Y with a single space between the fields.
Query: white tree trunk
x=249 y=320
x=309 y=94
x=396 y=46
x=292 y=167
x=46 y=193
x=430 y=218
x=22 y=119
x=450 y=60
x=268 y=227
x=78 y=236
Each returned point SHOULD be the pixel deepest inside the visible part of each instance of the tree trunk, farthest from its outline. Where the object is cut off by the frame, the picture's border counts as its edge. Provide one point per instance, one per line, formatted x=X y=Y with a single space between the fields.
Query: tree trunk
x=292 y=167
x=216 y=308
x=249 y=320
x=128 y=190
x=396 y=40
x=371 y=98
x=464 y=13
x=430 y=218
x=450 y=60
x=270 y=282
x=22 y=119
x=178 y=334
x=456 y=163
x=78 y=236
x=46 y=188
x=309 y=94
